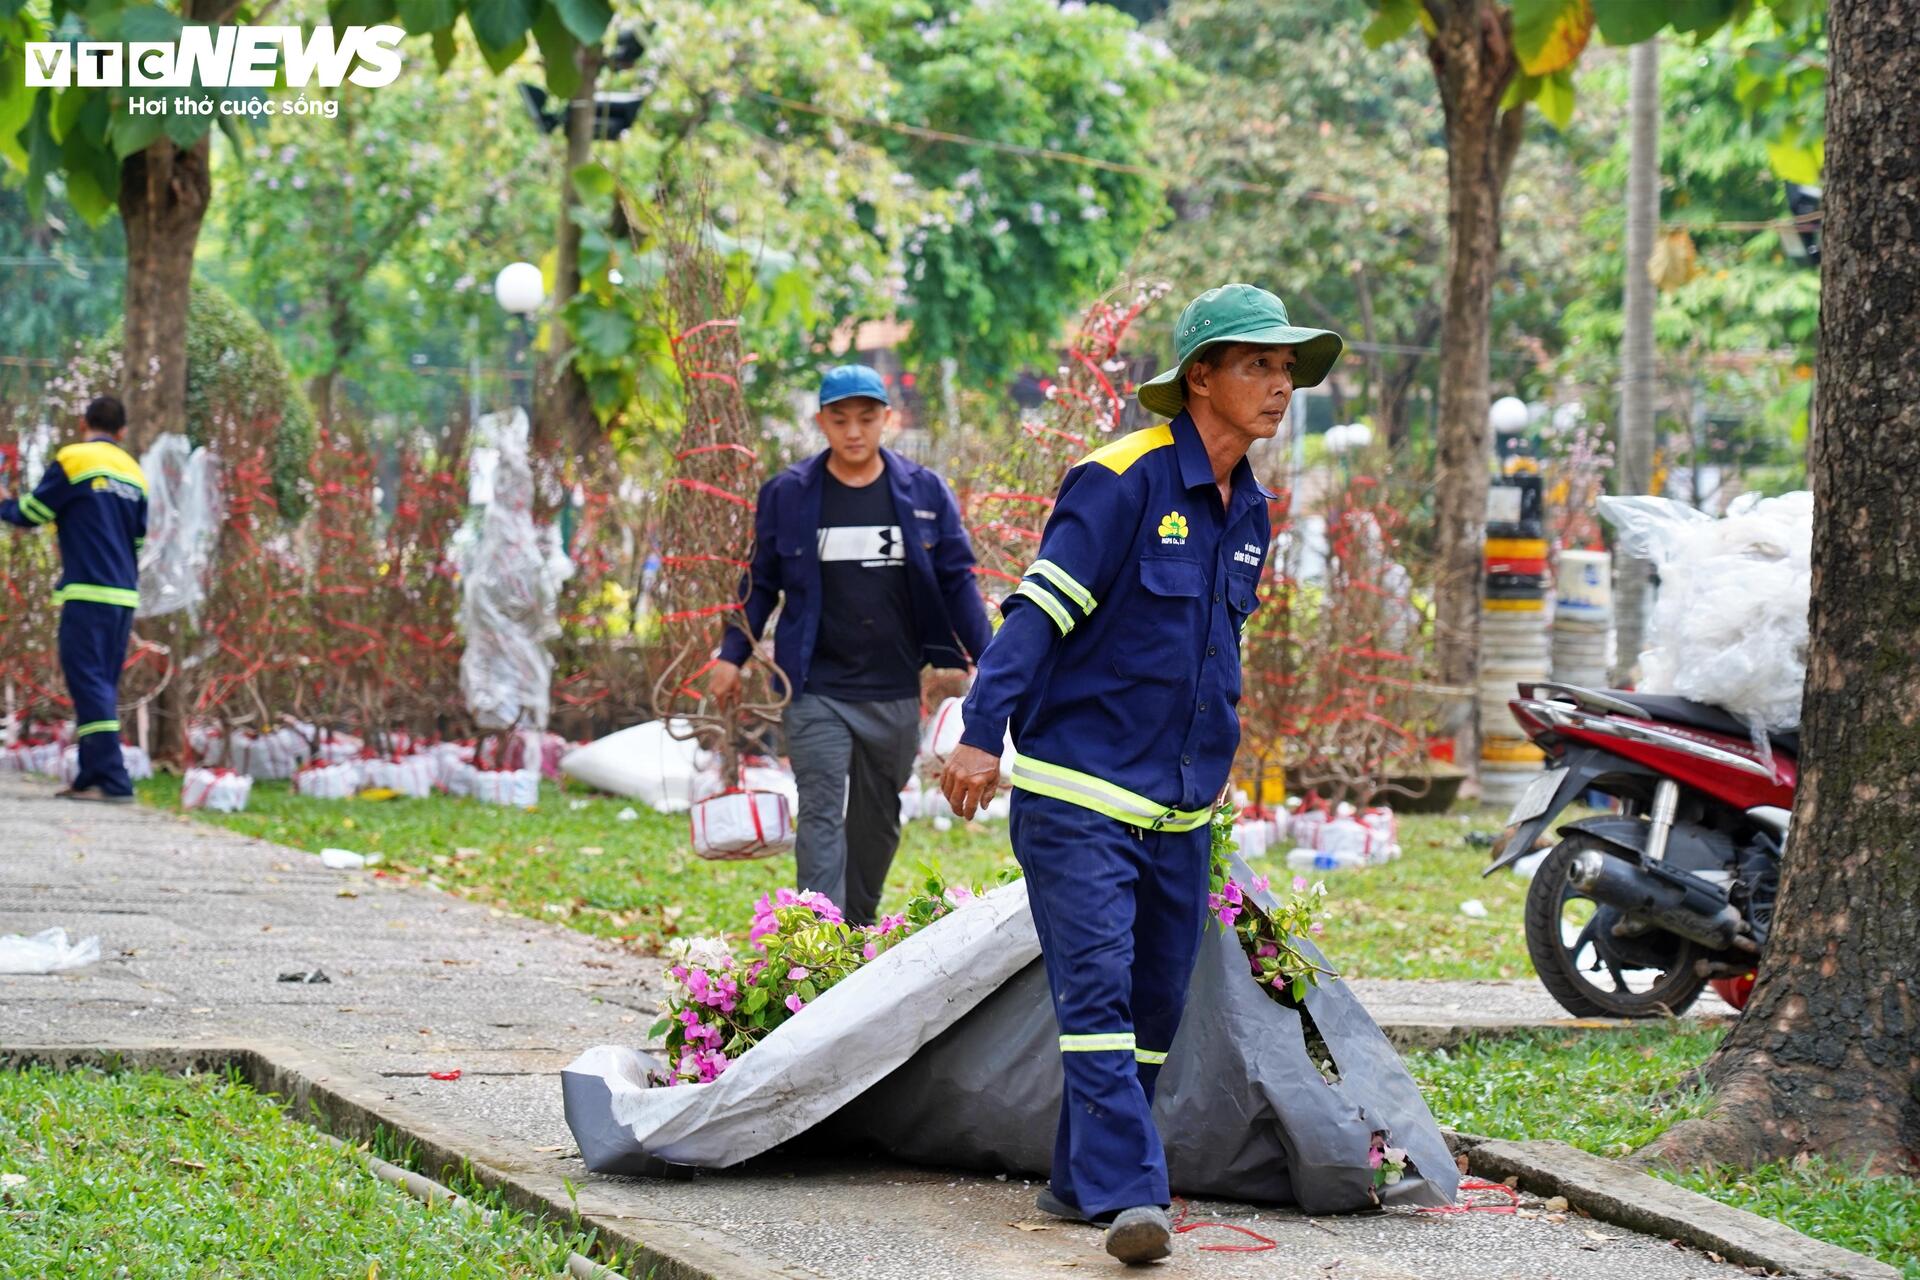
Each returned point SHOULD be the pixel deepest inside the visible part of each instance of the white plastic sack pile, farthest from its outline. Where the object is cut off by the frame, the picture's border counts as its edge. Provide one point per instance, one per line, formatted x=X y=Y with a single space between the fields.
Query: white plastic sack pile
x=519 y=787
x=1729 y=626
x=736 y=825
x=46 y=952
x=184 y=510
x=645 y=761
x=415 y=775
x=220 y=790
x=272 y=756
x=329 y=781
x=1344 y=838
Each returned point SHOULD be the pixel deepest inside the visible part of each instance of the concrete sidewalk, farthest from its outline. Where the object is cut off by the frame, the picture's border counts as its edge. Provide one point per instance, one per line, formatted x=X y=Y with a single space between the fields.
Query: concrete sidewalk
x=196 y=925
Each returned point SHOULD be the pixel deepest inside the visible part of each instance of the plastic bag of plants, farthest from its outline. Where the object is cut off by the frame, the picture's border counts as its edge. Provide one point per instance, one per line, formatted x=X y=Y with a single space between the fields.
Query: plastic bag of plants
x=944 y=1050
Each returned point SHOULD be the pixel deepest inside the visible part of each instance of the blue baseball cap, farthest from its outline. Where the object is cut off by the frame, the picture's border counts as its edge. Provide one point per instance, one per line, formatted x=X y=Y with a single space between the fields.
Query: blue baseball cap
x=850 y=380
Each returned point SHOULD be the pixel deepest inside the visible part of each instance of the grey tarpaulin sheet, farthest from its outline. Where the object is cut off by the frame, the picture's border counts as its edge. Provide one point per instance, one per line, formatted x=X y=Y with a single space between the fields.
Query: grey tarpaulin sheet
x=1243 y=1111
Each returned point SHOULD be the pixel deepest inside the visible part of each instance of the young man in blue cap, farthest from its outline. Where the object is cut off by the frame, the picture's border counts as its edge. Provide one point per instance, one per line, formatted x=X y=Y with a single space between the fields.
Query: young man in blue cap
x=1118 y=664
x=876 y=572
x=95 y=496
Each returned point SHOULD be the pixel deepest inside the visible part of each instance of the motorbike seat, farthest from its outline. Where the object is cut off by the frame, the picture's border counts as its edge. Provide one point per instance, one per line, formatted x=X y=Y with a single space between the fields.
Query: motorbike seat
x=1701 y=715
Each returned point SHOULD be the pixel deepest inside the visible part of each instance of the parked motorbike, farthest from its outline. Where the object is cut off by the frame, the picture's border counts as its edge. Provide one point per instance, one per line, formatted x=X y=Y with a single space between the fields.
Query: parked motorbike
x=1631 y=914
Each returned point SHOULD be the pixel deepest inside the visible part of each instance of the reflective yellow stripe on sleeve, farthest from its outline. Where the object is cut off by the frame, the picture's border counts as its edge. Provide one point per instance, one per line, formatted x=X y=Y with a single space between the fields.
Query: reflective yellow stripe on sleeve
x=97 y=726
x=1120 y=1041
x=35 y=510
x=1053 y=608
x=90 y=593
x=1149 y=1057
x=1060 y=578
x=1102 y=796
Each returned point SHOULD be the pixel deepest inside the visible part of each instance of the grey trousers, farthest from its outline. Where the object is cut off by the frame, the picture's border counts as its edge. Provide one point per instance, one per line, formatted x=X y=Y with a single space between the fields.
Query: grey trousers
x=850 y=760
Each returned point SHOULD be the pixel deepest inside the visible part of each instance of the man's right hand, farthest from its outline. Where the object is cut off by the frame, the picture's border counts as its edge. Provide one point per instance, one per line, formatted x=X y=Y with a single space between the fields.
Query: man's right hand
x=724 y=683
x=970 y=779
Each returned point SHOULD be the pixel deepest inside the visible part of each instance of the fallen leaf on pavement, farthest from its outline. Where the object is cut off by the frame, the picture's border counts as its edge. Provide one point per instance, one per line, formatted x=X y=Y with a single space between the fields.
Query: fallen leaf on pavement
x=344 y=892
x=1557 y=1205
x=1031 y=1226
x=1600 y=1235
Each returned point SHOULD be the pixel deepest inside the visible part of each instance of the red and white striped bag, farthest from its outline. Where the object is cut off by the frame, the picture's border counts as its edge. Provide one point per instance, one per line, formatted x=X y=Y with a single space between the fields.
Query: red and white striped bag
x=737 y=825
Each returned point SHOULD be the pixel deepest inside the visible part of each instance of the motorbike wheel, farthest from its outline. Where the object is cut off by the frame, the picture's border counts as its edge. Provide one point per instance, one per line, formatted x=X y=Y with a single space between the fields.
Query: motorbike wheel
x=1562 y=928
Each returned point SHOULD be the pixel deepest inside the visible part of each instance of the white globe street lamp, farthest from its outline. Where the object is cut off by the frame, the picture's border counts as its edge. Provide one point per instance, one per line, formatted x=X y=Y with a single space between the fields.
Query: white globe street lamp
x=1508 y=415
x=519 y=289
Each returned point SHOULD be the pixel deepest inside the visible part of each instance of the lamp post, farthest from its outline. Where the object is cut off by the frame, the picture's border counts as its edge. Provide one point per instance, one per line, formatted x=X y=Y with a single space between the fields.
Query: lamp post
x=520 y=290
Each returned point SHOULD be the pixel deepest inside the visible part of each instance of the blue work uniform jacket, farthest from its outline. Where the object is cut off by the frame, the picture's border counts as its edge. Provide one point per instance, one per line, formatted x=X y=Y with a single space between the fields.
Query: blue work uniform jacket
x=95 y=496
x=948 y=614
x=1118 y=662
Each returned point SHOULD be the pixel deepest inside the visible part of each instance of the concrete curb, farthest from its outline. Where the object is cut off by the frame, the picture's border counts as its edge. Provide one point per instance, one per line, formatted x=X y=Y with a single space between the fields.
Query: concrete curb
x=337 y=1102
x=1612 y=1192
x=340 y=1103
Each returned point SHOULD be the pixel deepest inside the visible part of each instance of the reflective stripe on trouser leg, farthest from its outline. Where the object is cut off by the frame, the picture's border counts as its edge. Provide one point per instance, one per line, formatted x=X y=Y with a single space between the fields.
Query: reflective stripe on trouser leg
x=93 y=648
x=1090 y=881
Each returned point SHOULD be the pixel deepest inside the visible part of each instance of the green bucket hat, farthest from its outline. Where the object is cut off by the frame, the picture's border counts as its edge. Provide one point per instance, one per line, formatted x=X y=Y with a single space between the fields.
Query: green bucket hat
x=1239 y=313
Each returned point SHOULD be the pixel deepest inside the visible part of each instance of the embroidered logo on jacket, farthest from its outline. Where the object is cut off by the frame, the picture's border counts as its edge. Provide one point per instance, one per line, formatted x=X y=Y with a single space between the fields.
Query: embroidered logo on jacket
x=1173 y=529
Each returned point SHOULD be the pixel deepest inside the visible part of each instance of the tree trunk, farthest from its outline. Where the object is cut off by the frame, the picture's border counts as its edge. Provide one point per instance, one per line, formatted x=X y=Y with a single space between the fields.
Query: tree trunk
x=164 y=193
x=1632 y=577
x=568 y=420
x=1473 y=61
x=1827 y=1056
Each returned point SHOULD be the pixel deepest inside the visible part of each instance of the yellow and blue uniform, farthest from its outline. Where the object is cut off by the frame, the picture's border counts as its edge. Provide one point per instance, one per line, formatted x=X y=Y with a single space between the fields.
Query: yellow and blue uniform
x=1118 y=666
x=95 y=496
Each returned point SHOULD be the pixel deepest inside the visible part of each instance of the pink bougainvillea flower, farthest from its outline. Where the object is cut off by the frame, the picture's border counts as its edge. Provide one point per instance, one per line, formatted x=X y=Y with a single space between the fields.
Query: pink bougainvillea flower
x=1299 y=884
x=1316 y=929
x=1233 y=893
x=796 y=974
x=795 y=1004
x=870 y=951
x=958 y=892
x=1261 y=884
x=1266 y=949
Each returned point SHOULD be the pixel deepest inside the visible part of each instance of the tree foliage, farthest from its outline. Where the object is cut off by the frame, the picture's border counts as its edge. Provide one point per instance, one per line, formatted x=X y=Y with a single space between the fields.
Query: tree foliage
x=1024 y=239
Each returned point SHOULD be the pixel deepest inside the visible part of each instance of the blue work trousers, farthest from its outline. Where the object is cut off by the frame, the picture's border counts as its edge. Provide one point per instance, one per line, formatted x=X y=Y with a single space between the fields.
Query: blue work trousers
x=93 y=649
x=1119 y=910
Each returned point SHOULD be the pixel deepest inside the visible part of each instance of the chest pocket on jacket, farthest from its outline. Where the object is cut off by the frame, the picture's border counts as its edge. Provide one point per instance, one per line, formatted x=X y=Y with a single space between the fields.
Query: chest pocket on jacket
x=1170 y=630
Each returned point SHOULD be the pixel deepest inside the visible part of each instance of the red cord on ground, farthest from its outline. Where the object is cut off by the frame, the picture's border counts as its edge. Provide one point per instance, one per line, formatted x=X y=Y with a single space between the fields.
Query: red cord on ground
x=1181 y=1226
x=1476 y=1184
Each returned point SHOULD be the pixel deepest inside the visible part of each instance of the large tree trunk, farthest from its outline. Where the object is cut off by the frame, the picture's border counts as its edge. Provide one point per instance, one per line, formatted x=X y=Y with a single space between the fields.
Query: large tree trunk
x=1633 y=577
x=1473 y=61
x=567 y=420
x=164 y=193
x=1827 y=1056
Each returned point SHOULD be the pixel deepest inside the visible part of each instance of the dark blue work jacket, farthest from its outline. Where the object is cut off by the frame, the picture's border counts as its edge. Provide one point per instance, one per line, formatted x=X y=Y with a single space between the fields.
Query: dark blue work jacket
x=948 y=614
x=1118 y=662
x=95 y=495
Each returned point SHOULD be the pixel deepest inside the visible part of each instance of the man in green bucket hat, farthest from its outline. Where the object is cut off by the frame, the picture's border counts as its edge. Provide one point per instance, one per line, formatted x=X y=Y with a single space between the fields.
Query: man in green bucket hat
x=1118 y=666
x=1238 y=314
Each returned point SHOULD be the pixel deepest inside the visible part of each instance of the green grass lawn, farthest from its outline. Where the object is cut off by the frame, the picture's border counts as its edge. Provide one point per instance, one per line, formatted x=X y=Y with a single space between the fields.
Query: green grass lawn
x=159 y=1176
x=1612 y=1092
x=571 y=860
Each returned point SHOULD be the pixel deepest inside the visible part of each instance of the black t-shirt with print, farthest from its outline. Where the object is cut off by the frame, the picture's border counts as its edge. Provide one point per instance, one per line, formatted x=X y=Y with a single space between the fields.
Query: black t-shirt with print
x=866 y=650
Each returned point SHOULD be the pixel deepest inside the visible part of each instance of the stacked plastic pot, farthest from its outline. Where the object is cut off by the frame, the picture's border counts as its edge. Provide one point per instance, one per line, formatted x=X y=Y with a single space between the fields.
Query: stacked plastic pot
x=1513 y=633
x=1583 y=619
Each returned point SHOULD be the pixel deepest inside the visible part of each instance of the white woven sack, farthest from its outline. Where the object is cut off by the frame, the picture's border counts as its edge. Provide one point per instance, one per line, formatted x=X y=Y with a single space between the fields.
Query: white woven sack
x=737 y=825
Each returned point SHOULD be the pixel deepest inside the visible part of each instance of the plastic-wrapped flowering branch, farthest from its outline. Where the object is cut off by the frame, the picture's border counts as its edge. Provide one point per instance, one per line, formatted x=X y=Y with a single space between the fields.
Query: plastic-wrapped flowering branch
x=707 y=512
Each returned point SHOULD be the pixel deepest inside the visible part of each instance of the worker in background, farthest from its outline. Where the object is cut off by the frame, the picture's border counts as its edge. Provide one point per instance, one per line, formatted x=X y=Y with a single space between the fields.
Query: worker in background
x=1118 y=665
x=864 y=551
x=95 y=496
